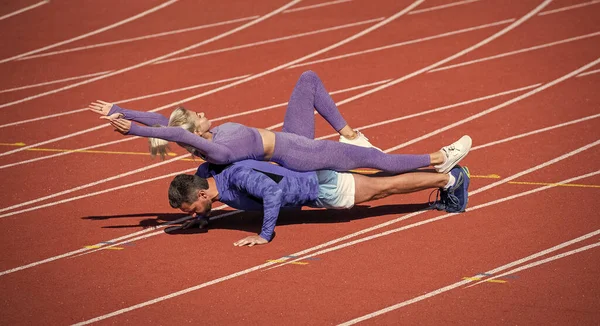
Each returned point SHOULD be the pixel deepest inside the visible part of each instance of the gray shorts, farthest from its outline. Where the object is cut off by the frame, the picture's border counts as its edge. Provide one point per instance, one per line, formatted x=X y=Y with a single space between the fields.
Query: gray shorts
x=336 y=190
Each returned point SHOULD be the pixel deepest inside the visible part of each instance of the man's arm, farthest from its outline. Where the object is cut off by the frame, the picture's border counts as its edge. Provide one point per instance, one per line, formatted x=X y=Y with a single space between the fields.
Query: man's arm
x=260 y=186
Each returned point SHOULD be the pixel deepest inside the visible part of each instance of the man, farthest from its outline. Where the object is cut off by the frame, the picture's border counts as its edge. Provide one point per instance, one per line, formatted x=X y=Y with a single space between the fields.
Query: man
x=256 y=185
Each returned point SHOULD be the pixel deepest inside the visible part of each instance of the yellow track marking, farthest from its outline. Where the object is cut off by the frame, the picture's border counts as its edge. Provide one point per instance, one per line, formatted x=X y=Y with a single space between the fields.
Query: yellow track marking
x=98 y=246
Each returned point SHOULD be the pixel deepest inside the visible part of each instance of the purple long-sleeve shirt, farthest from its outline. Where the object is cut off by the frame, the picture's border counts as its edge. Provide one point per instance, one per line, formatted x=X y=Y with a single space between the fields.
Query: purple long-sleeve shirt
x=252 y=185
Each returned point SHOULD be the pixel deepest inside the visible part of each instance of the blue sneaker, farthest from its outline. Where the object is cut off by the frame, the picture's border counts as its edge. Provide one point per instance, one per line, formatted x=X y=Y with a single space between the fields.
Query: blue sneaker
x=458 y=195
x=454 y=200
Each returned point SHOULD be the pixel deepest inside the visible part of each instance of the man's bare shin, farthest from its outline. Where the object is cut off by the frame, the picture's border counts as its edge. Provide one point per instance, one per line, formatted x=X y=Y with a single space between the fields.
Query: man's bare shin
x=371 y=188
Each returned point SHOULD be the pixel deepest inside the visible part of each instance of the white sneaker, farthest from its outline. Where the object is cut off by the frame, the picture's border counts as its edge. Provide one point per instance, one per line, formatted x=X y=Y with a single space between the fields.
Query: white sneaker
x=454 y=153
x=360 y=140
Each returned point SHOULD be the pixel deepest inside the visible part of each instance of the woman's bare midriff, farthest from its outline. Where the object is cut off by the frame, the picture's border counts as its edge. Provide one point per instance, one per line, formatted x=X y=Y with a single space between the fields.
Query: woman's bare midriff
x=268 y=139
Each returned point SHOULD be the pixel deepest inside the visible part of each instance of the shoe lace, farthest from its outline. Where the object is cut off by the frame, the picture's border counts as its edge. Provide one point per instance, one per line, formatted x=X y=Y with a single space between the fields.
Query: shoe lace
x=444 y=200
x=439 y=202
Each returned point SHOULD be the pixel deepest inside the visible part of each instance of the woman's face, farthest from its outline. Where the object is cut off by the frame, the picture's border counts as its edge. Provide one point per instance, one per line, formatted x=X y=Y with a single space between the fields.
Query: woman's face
x=201 y=122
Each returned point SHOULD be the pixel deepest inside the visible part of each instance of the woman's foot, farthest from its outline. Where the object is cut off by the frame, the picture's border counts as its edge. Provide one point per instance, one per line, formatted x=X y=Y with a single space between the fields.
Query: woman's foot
x=452 y=154
x=358 y=140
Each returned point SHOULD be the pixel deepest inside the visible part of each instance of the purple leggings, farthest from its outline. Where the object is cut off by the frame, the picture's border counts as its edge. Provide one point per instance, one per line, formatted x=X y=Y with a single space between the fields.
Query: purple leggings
x=296 y=148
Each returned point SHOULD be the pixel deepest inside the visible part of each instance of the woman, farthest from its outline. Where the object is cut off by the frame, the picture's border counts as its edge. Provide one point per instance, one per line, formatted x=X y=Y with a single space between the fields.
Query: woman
x=293 y=148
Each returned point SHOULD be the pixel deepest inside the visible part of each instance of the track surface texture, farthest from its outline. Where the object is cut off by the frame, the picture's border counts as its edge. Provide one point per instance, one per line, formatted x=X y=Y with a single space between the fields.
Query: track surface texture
x=84 y=209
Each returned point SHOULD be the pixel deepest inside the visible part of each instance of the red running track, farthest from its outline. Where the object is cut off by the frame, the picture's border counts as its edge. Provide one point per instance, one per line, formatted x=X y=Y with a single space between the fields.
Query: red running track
x=528 y=99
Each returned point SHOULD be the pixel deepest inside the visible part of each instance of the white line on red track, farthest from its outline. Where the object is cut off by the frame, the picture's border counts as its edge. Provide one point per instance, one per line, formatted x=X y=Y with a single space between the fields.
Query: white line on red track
x=98 y=31
x=580 y=5
x=539 y=262
x=273 y=40
x=280 y=105
x=151 y=61
x=14 y=13
x=461 y=283
x=53 y=82
x=453 y=4
x=452 y=57
x=258 y=267
x=316 y=6
x=498 y=107
x=443 y=61
x=125 y=101
x=139 y=38
x=442 y=108
x=506 y=54
x=206 y=53
x=390 y=46
x=145 y=236
x=588 y=73
x=91 y=184
x=537 y=131
x=68 y=254
x=264 y=73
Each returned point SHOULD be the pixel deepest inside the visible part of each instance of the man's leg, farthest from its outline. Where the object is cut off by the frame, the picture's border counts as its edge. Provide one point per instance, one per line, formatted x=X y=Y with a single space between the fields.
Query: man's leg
x=371 y=188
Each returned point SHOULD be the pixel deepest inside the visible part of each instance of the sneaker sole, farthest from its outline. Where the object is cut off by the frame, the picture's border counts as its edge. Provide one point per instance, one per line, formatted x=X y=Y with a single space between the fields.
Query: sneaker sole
x=465 y=188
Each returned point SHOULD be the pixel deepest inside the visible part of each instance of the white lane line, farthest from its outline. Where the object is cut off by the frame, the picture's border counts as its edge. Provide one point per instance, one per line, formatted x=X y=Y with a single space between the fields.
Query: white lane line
x=273 y=40
x=14 y=13
x=148 y=62
x=498 y=107
x=221 y=279
x=139 y=38
x=53 y=82
x=125 y=100
x=537 y=131
x=215 y=90
x=316 y=6
x=461 y=53
x=71 y=253
x=145 y=236
x=98 y=31
x=128 y=139
x=506 y=54
x=433 y=37
x=589 y=73
x=303 y=252
x=580 y=5
x=453 y=4
x=442 y=108
x=471 y=193
x=203 y=53
x=540 y=262
x=83 y=187
x=452 y=286
x=441 y=62
x=280 y=105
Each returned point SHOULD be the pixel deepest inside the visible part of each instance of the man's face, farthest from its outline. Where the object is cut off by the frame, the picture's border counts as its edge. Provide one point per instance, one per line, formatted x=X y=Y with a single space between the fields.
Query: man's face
x=201 y=206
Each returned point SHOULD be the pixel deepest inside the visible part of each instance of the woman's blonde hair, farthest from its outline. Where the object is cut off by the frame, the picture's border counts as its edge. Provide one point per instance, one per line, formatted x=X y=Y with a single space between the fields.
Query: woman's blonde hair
x=179 y=118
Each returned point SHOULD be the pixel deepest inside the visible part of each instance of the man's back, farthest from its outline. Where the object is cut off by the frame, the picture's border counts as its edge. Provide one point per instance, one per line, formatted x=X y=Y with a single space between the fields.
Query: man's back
x=246 y=184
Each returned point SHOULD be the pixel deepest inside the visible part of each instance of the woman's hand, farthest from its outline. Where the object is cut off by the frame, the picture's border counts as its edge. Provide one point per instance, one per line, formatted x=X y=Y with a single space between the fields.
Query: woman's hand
x=121 y=125
x=100 y=107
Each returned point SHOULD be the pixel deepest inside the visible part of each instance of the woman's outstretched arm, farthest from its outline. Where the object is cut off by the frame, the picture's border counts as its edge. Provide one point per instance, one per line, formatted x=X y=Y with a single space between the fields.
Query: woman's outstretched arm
x=211 y=151
x=146 y=118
